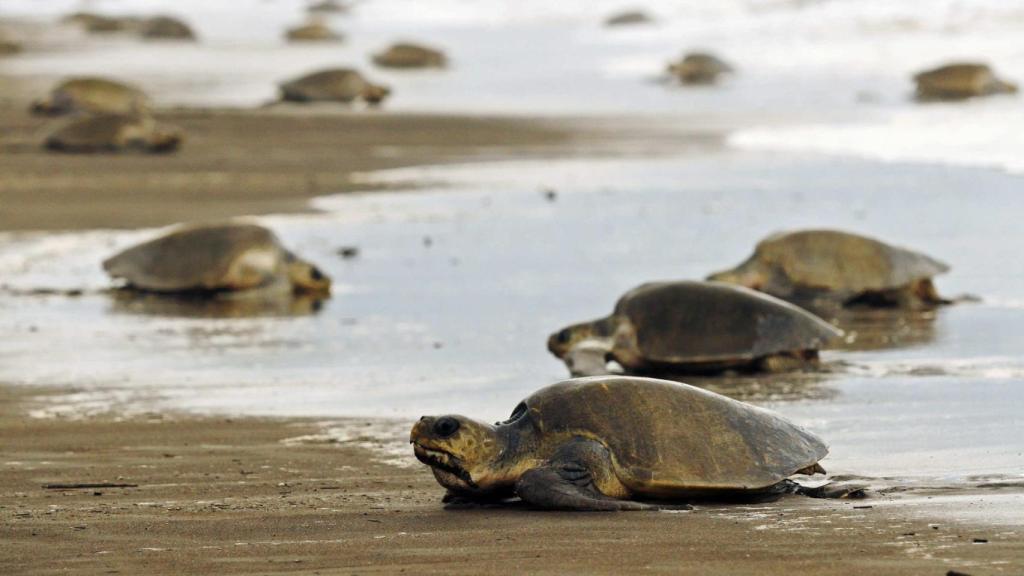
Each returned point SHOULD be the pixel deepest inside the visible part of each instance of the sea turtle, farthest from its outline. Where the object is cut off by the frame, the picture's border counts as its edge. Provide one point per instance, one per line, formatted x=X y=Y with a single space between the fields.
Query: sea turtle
x=960 y=81
x=823 y=269
x=694 y=327
x=216 y=258
x=8 y=47
x=114 y=133
x=166 y=28
x=312 y=32
x=333 y=85
x=629 y=18
x=622 y=443
x=102 y=24
x=406 y=55
x=327 y=7
x=92 y=95
x=698 y=68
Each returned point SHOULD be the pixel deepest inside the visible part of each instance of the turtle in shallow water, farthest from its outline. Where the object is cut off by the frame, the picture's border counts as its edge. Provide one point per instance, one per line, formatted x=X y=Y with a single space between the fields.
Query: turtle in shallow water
x=622 y=443
x=407 y=55
x=826 y=269
x=960 y=81
x=694 y=327
x=216 y=258
x=94 y=96
x=114 y=133
x=698 y=68
x=334 y=85
x=166 y=28
x=312 y=32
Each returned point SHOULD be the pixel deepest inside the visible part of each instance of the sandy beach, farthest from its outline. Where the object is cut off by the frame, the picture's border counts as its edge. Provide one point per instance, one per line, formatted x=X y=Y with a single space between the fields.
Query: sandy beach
x=235 y=496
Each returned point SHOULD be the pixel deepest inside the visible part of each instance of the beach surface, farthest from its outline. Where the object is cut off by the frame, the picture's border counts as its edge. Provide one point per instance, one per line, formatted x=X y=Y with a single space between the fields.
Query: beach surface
x=259 y=496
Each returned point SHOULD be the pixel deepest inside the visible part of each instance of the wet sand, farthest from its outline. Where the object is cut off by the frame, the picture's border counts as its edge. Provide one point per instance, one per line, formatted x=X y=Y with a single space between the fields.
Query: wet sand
x=236 y=162
x=229 y=496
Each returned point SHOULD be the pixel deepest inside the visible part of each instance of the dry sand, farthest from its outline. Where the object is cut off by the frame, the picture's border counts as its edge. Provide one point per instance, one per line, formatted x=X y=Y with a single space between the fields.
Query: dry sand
x=228 y=496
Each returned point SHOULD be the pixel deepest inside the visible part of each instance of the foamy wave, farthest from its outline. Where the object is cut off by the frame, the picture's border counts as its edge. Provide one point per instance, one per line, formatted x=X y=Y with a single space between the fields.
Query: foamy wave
x=987 y=368
x=969 y=134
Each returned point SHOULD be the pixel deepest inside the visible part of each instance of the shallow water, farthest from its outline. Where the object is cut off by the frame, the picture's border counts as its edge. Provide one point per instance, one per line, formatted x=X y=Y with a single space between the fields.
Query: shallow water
x=448 y=306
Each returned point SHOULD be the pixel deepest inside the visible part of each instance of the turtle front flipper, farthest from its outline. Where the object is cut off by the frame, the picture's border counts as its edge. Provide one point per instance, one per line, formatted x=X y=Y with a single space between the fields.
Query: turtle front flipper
x=588 y=358
x=579 y=477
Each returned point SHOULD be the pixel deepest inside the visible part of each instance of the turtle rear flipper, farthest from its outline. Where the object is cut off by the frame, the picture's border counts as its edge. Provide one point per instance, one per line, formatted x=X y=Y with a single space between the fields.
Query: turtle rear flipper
x=833 y=491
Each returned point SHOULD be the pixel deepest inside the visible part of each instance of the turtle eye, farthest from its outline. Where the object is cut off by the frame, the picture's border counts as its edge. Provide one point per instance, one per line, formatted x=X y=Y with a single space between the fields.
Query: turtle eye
x=315 y=273
x=445 y=427
x=564 y=336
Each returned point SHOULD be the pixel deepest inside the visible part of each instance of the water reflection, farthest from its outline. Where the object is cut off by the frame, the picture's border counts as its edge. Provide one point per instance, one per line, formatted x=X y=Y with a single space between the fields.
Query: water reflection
x=214 y=307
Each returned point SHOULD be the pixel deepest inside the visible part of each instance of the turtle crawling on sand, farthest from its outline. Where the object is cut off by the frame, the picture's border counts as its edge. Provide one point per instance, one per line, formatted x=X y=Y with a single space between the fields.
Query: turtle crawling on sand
x=407 y=55
x=334 y=85
x=166 y=28
x=94 y=96
x=214 y=259
x=824 y=269
x=694 y=327
x=698 y=68
x=622 y=443
x=960 y=81
x=114 y=133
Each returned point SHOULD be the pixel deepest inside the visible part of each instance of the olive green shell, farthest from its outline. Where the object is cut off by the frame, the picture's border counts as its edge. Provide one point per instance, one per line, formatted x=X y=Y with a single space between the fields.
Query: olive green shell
x=200 y=258
x=97 y=96
x=405 y=55
x=709 y=322
x=959 y=81
x=338 y=85
x=666 y=438
x=841 y=263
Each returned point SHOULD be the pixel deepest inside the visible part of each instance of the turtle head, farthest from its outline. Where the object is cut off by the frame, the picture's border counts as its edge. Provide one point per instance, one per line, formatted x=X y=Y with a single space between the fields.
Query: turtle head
x=562 y=342
x=462 y=452
x=306 y=278
x=45 y=107
x=748 y=274
x=165 y=139
x=374 y=94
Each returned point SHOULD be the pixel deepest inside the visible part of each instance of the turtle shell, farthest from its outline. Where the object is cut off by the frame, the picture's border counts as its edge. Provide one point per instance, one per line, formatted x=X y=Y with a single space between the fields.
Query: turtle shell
x=666 y=438
x=98 y=95
x=842 y=263
x=710 y=322
x=202 y=258
x=339 y=84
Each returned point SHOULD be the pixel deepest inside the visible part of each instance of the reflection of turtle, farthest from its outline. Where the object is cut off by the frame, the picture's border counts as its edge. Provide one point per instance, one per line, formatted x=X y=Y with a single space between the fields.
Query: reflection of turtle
x=216 y=258
x=405 y=55
x=114 y=133
x=92 y=95
x=822 y=268
x=693 y=327
x=248 y=304
x=166 y=28
x=959 y=82
x=312 y=32
x=334 y=85
x=698 y=68
x=611 y=443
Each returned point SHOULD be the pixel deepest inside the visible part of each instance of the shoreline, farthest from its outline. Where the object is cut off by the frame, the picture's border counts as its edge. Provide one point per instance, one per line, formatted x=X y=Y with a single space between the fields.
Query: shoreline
x=248 y=495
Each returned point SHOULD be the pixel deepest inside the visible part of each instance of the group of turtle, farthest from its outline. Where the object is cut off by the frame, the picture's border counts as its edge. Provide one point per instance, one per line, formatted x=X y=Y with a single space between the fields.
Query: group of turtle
x=623 y=442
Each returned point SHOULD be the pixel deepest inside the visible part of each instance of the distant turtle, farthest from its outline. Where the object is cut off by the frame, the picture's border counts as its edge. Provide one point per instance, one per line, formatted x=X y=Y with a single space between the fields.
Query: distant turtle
x=694 y=327
x=828 y=268
x=960 y=81
x=216 y=258
x=312 y=32
x=94 y=96
x=8 y=47
x=698 y=68
x=328 y=7
x=102 y=24
x=406 y=55
x=166 y=28
x=114 y=133
x=334 y=85
x=629 y=18
x=622 y=443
